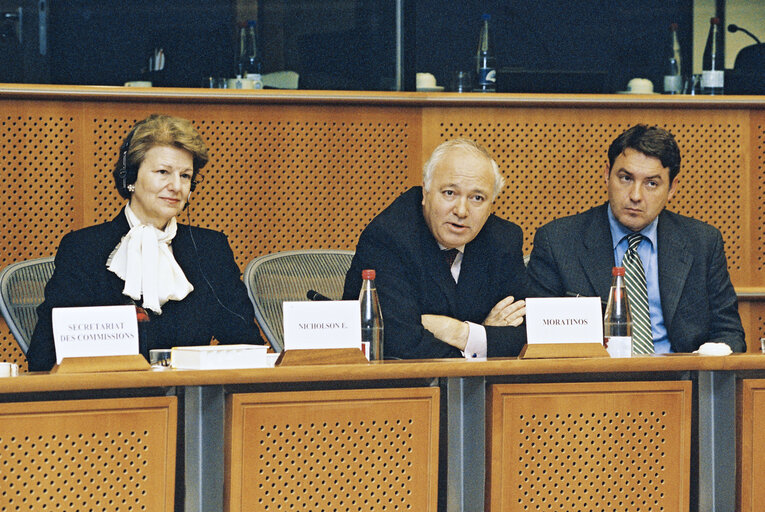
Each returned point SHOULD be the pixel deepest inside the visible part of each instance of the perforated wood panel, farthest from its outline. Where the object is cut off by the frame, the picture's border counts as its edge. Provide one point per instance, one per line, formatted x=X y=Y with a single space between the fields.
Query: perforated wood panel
x=616 y=446
x=370 y=450
x=758 y=190
x=295 y=178
x=554 y=160
x=37 y=184
x=112 y=454
x=750 y=450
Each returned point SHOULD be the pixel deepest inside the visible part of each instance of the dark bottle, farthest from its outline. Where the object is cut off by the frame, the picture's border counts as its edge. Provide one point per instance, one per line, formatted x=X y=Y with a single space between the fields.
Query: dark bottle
x=617 y=321
x=673 y=80
x=485 y=63
x=713 y=65
x=371 y=316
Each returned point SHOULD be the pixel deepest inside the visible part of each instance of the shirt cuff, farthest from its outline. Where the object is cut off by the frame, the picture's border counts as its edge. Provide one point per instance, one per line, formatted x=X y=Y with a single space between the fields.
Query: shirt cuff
x=476 y=342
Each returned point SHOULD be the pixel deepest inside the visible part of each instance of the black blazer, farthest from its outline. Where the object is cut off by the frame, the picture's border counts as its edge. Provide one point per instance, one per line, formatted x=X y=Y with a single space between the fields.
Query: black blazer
x=575 y=254
x=82 y=279
x=413 y=278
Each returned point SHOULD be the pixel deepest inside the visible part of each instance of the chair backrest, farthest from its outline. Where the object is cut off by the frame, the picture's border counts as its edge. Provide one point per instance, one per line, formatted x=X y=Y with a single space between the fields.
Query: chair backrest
x=287 y=276
x=22 y=289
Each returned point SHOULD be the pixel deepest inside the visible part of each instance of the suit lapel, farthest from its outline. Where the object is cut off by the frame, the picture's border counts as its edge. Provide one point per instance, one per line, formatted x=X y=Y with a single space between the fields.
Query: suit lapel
x=597 y=259
x=675 y=261
x=435 y=266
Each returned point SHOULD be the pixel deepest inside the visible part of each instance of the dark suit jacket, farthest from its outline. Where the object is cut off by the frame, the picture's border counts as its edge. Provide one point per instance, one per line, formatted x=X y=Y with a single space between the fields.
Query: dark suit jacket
x=575 y=254
x=82 y=279
x=413 y=278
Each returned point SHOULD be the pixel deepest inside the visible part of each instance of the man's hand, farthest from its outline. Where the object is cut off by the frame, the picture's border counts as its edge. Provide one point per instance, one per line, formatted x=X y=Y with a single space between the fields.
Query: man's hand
x=447 y=329
x=506 y=313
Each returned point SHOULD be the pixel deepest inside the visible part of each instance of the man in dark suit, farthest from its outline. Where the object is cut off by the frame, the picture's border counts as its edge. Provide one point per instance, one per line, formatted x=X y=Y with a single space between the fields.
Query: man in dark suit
x=690 y=298
x=449 y=273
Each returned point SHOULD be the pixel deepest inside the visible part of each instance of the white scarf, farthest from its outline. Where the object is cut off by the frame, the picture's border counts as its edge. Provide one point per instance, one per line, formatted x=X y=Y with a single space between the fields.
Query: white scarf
x=144 y=260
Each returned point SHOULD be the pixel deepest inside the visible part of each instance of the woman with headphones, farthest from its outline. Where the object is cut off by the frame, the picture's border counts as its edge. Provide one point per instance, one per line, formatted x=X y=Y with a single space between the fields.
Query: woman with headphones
x=183 y=279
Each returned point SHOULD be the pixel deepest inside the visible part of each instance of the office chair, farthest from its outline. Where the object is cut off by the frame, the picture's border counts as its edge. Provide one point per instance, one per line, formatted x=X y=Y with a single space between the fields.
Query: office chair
x=287 y=276
x=22 y=289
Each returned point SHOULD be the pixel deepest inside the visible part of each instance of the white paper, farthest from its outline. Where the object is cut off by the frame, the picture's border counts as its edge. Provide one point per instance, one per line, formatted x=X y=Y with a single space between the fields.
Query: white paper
x=95 y=331
x=322 y=324
x=564 y=320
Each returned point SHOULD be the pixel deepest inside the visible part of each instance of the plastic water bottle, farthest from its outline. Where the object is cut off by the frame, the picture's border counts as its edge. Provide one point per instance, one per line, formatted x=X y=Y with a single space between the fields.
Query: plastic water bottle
x=617 y=322
x=673 y=81
x=371 y=316
x=485 y=63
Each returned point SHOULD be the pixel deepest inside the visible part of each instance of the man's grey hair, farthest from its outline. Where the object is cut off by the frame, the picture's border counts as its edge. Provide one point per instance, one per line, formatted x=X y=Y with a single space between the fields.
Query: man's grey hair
x=466 y=145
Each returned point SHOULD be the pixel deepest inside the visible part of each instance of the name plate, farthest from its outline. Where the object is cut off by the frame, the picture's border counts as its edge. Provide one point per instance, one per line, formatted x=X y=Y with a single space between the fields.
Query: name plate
x=322 y=324
x=564 y=320
x=95 y=331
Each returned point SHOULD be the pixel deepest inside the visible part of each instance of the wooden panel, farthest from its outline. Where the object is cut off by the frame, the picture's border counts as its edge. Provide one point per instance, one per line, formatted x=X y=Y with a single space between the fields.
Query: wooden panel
x=554 y=160
x=757 y=202
x=750 y=457
x=589 y=446
x=292 y=170
x=753 y=318
x=111 y=454
x=367 y=449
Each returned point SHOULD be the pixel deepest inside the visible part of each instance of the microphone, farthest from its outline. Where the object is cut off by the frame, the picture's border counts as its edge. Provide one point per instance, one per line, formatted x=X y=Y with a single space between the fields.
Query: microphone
x=572 y=294
x=314 y=295
x=735 y=28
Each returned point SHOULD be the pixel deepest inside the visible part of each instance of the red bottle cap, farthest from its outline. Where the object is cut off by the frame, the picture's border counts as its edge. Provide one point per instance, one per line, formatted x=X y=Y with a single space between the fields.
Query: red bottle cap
x=367 y=274
x=715 y=21
x=617 y=271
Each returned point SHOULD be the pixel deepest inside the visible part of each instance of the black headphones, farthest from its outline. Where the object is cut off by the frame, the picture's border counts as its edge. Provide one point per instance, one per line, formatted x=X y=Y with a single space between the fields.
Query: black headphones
x=124 y=175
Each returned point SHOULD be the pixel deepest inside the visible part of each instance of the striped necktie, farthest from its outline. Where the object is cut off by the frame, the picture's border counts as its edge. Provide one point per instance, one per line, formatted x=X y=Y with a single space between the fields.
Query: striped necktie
x=642 y=339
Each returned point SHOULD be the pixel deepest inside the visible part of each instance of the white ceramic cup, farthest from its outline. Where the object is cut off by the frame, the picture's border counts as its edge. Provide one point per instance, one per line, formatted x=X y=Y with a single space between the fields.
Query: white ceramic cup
x=425 y=81
x=640 y=86
x=9 y=369
x=240 y=83
x=138 y=83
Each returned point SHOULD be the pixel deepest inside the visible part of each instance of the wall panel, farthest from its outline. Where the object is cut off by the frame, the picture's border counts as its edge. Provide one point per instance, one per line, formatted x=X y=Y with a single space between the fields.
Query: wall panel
x=300 y=172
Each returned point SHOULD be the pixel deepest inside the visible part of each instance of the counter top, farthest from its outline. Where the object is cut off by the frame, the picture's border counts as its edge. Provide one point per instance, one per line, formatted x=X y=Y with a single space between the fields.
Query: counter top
x=418 y=99
x=388 y=370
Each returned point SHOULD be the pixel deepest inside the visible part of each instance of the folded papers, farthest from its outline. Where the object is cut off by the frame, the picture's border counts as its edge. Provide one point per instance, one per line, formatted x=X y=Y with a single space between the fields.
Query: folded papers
x=218 y=357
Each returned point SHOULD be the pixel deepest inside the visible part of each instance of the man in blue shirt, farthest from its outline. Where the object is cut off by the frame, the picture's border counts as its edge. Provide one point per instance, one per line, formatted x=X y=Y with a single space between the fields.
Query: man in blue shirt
x=691 y=300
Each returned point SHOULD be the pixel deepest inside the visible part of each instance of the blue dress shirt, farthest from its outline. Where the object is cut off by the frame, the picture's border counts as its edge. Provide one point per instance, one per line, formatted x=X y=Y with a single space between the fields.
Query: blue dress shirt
x=649 y=256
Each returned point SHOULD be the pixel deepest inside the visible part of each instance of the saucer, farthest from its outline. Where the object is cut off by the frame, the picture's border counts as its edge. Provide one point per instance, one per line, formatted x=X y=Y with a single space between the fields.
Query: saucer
x=630 y=92
x=438 y=88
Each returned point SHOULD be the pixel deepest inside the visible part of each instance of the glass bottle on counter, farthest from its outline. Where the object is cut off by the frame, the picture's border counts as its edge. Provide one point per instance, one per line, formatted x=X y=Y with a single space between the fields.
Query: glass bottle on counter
x=253 y=66
x=371 y=316
x=713 y=64
x=673 y=80
x=617 y=321
x=485 y=63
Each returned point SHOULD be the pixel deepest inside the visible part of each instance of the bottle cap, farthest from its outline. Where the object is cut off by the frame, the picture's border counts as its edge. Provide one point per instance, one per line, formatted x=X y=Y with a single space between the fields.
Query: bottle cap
x=715 y=21
x=617 y=271
x=673 y=26
x=486 y=17
x=367 y=274
x=251 y=23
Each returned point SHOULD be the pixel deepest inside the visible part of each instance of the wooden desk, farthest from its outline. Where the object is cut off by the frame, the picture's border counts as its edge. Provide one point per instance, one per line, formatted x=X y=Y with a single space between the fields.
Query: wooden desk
x=208 y=398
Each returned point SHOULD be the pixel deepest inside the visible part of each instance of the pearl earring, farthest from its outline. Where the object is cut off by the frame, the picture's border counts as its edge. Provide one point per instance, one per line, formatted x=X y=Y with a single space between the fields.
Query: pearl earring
x=131 y=188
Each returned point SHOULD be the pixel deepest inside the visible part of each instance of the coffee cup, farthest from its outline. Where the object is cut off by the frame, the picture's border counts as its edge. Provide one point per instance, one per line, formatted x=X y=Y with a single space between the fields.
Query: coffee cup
x=425 y=81
x=640 y=86
x=9 y=369
x=240 y=83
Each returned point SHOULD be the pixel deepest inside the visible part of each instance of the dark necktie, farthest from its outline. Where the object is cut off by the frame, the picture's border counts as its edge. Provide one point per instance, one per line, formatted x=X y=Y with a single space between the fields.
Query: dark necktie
x=642 y=338
x=451 y=255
